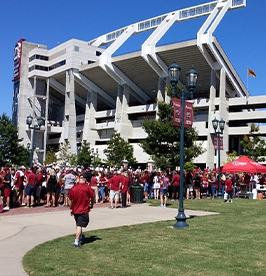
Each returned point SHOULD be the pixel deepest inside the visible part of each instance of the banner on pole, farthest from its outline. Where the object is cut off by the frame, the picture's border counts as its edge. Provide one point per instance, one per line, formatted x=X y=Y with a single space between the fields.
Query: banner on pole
x=215 y=142
x=177 y=112
x=188 y=115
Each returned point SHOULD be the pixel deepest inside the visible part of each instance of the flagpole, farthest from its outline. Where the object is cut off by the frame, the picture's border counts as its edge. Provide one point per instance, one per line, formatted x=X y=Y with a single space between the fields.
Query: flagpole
x=247 y=79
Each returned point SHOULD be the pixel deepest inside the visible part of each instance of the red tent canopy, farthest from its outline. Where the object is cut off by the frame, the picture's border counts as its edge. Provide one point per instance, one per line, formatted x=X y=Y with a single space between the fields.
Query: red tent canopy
x=244 y=164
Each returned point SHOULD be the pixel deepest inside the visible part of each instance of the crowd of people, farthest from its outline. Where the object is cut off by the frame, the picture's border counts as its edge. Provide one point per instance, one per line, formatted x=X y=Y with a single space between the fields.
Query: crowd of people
x=50 y=186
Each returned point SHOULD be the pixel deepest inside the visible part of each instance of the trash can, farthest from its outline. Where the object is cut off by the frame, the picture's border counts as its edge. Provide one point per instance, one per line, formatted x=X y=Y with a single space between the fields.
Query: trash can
x=137 y=194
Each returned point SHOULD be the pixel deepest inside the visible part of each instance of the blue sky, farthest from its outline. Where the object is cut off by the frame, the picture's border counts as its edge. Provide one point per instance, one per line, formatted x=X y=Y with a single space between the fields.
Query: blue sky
x=242 y=32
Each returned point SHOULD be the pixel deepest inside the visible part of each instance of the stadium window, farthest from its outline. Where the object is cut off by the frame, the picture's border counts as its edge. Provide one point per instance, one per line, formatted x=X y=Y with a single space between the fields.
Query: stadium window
x=98 y=53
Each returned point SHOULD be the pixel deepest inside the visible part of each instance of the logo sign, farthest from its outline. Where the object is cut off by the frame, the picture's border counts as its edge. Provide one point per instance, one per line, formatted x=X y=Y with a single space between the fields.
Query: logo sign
x=177 y=112
x=188 y=115
x=215 y=142
x=17 y=59
x=236 y=163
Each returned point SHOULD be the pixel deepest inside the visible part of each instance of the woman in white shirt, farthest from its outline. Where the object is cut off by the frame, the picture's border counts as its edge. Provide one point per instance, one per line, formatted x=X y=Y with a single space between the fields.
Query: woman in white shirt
x=156 y=185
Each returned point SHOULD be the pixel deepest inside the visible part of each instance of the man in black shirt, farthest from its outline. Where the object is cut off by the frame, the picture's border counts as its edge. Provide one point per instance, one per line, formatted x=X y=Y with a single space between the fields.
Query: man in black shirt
x=88 y=175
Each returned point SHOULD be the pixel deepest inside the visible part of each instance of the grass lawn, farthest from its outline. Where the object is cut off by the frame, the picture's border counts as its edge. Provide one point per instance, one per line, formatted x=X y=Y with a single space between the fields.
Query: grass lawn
x=231 y=243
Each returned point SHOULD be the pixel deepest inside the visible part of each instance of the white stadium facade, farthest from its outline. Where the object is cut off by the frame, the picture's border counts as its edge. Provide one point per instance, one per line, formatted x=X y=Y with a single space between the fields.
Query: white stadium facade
x=84 y=92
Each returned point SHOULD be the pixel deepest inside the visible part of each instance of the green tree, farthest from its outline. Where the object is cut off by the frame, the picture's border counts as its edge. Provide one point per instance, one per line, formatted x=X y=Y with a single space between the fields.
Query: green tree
x=64 y=153
x=11 y=150
x=231 y=157
x=117 y=150
x=73 y=159
x=50 y=157
x=84 y=157
x=253 y=145
x=163 y=141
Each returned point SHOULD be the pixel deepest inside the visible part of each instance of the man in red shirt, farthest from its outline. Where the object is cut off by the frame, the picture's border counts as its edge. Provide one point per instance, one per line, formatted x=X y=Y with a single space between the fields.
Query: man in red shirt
x=115 y=186
x=7 y=187
x=30 y=187
x=39 y=182
x=229 y=188
x=1 y=182
x=80 y=196
x=176 y=183
x=18 y=186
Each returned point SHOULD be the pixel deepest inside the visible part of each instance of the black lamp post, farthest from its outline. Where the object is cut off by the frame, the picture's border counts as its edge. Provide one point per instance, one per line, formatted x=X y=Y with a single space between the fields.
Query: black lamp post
x=192 y=76
x=29 y=121
x=221 y=124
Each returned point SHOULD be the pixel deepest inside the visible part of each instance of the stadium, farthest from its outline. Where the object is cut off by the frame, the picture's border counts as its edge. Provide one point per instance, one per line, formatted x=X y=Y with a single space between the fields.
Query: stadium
x=83 y=92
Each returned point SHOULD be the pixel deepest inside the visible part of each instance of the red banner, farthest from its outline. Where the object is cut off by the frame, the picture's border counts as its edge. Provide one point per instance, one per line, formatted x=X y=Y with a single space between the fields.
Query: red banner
x=188 y=115
x=215 y=142
x=177 y=112
x=17 y=59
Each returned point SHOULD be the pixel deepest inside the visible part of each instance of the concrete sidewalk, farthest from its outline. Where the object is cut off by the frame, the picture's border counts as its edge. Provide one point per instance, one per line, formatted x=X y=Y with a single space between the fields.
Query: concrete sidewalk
x=19 y=234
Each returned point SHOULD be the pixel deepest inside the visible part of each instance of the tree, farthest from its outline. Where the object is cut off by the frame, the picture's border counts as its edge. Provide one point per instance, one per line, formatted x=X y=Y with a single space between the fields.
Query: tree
x=73 y=159
x=253 y=145
x=84 y=157
x=163 y=141
x=50 y=157
x=11 y=150
x=64 y=153
x=231 y=157
x=117 y=150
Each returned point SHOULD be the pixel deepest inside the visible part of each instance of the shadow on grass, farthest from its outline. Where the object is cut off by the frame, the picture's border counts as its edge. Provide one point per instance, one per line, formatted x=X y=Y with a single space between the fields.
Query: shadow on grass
x=192 y=216
x=91 y=239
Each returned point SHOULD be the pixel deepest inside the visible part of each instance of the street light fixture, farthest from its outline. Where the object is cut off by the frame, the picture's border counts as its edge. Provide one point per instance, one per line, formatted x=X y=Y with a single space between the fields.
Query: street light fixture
x=215 y=124
x=192 y=76
x=29 y=121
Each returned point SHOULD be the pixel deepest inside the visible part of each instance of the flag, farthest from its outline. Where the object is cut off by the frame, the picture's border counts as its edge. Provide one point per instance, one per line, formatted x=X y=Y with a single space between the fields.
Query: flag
x=251 y=73
x=177 y=112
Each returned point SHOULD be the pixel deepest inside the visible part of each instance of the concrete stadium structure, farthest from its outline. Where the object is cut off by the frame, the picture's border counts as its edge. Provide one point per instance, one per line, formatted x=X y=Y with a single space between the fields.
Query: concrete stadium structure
x=83 y=92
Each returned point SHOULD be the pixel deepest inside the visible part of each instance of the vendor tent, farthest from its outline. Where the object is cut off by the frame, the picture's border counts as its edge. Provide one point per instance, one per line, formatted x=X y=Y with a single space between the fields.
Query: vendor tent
x=244 y=164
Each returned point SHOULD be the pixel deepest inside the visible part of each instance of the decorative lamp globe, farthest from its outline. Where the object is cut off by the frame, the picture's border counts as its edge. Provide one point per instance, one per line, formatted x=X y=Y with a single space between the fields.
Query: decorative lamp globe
x=29 y=120
x=174 y=73
x=215 y=124
x=192 y=77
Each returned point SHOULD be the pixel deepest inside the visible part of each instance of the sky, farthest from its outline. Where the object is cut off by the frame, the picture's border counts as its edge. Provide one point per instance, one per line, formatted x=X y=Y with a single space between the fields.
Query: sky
x=241 y=33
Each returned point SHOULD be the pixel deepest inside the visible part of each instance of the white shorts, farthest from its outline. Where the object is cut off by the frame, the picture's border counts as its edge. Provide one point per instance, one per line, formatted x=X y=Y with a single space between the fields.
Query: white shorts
x=114 y=194
x=156 y=186
x=190 y=188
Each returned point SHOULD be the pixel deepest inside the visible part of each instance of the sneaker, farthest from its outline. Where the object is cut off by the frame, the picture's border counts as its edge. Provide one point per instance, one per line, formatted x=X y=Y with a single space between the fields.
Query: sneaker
x=23 y=204
x=161 y=205
x=6 y=208
x=27 y=207
x=164 y=205
x=76 y=245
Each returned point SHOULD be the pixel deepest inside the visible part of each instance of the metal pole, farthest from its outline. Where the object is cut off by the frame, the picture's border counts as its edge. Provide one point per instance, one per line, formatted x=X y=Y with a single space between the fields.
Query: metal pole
x=219 y=194
x=32 y=146
x=181 y=217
